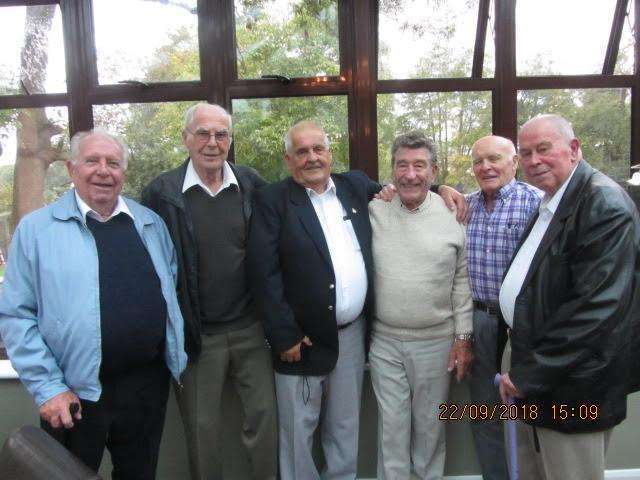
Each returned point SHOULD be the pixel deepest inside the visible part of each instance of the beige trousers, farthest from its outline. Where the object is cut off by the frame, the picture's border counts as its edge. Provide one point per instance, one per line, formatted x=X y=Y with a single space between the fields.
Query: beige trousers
x=558 y=456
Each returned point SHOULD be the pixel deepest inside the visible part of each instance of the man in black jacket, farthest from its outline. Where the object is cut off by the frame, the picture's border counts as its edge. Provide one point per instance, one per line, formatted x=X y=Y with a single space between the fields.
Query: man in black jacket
x=206 y=204
x=570 y=296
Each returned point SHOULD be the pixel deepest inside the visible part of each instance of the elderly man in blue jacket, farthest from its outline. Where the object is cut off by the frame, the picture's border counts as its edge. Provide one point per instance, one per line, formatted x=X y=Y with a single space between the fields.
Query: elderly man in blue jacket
x=89 y=313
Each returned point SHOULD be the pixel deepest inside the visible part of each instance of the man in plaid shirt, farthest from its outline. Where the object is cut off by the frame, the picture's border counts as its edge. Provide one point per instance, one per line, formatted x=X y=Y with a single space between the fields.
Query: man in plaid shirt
x=499 y=213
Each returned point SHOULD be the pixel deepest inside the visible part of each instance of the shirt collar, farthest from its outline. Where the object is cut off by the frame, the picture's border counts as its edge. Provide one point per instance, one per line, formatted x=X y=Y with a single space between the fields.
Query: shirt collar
x=503 y=193
x=121 y=207
x=192 y=178
x=331 y=187
x=551 y=204
x=422 y=206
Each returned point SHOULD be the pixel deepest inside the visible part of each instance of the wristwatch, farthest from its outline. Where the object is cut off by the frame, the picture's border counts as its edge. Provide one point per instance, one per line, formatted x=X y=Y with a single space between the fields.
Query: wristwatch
x=465 y=337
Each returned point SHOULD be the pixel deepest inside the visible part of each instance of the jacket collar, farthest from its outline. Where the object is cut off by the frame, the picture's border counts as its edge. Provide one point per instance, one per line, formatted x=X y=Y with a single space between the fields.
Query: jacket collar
x=174 y=181
x=66 y=208
x=305 y=211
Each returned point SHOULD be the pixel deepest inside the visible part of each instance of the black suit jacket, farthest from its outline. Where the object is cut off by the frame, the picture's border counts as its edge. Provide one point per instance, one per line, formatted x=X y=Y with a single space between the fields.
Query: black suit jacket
x=291 y=271
x=572 y=339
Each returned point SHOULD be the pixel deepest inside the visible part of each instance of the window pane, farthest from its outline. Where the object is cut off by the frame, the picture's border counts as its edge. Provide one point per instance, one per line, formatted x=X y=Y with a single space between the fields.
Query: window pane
x=36 y=66
x=146 y=41
x=260 y=125
x=419 y=39
x=570 y=41
x=33 y=147
x=601 y=120
x=294 y=38
x=153 y=133
x=489 y=64
x=624 y=63
x=454 y=120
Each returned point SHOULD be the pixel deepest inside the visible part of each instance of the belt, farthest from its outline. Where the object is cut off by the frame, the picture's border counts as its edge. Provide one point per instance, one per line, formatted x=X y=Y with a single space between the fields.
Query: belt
x=490 y=307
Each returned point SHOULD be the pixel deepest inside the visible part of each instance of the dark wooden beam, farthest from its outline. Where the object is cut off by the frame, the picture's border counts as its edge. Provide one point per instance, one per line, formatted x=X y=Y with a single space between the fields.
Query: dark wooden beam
x=611 y=55
x=362 y=105
x=297 y=88
x=635 y=91
x=176 y=92
x=33 y=101
x=574 y=81
x=79 y=49
x=216 y=24
x=481 y=35
x=505 y=105
x=435 y=85
x=27 y=3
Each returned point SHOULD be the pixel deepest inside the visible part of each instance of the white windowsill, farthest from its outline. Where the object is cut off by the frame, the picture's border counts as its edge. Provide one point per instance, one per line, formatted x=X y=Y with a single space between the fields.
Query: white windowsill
x=6 y=370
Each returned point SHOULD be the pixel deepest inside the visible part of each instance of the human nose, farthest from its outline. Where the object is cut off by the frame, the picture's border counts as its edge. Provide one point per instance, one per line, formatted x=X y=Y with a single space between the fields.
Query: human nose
x=410 y=173
x=102 y=167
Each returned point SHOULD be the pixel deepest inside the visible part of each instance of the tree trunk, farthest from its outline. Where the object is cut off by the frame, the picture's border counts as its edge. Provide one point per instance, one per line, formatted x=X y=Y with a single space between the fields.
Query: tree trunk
x=34 y=131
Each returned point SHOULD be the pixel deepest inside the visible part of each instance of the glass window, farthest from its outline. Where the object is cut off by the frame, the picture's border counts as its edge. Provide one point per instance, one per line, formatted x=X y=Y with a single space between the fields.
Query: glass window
x=294 y=38
x=153 y=133
x=32 y=53
x=489 y=64
x=572 y=40
x=454 y=120
x=601 y=120
x=146 y=41
x=624 y=63
x=260 y=125
x=33 y=147
x=419 y=39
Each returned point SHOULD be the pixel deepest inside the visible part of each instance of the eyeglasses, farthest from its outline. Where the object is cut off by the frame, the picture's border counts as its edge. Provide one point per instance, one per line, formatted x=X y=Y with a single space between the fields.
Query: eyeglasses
x=205 y=135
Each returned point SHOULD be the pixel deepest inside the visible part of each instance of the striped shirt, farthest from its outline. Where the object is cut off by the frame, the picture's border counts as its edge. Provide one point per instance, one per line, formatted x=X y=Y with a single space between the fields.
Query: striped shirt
x=492 y=237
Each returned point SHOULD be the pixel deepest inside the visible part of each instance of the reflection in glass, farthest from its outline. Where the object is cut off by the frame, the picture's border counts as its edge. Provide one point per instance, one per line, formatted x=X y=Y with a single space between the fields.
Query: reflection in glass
x=146 y=41
x=260 y=126
x=419 y=39
x=571 y=41
x=601 y=119
x=32 y=52
x=294 y=38
x=624 y=63
x=33 y=148
x=153 y=133
x=454 y=120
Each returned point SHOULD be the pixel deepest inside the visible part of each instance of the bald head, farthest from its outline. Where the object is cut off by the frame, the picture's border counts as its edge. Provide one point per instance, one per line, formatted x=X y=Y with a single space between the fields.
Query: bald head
x=304 y=125
x=494 y=163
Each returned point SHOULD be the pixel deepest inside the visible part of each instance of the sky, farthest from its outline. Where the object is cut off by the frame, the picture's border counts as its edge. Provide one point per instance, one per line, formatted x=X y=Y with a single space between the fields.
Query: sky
x=571 y=35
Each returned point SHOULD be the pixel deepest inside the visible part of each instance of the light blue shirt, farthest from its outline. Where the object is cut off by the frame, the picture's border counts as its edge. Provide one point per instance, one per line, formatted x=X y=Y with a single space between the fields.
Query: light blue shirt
x=50 y=303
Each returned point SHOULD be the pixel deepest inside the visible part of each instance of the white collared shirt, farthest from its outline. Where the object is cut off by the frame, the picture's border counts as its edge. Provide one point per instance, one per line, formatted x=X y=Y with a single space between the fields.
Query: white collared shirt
x=345 y=252
x=192 y=178
x=513 y=280
x=121 y=207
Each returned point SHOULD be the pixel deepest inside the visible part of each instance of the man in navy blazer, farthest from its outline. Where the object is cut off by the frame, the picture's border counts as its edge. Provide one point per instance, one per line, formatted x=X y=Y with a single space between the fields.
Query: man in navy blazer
x=310 y=262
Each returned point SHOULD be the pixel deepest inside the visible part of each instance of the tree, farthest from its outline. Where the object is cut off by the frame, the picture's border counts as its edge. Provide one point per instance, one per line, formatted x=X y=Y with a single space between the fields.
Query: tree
x=37 y=147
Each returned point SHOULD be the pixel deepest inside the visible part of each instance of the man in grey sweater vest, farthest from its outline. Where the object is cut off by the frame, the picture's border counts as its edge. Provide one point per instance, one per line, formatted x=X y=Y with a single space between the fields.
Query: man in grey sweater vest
x=422 y=328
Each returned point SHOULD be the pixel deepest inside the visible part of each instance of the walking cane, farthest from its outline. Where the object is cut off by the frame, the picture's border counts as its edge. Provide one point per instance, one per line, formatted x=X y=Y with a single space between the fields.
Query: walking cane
x=514 y=473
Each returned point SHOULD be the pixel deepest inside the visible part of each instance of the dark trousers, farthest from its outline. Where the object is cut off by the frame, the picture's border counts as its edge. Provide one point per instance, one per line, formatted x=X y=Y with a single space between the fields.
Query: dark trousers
x=128 y=419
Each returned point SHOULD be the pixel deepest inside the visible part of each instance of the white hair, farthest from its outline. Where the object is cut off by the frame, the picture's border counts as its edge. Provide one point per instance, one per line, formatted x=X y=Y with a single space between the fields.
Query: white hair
x=78 y=138
x=288 y=141
x=192 y=110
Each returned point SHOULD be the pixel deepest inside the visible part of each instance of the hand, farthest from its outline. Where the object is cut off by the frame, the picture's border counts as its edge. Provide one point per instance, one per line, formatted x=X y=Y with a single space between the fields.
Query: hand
x=294 y=353
x=455 y=201
x=55 y=411
x=460 y=358
x=387 y=193
x=507 y=389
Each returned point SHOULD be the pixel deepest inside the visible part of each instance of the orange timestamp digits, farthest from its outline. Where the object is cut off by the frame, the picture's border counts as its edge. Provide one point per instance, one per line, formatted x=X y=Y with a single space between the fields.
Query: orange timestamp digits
x=483 y=411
